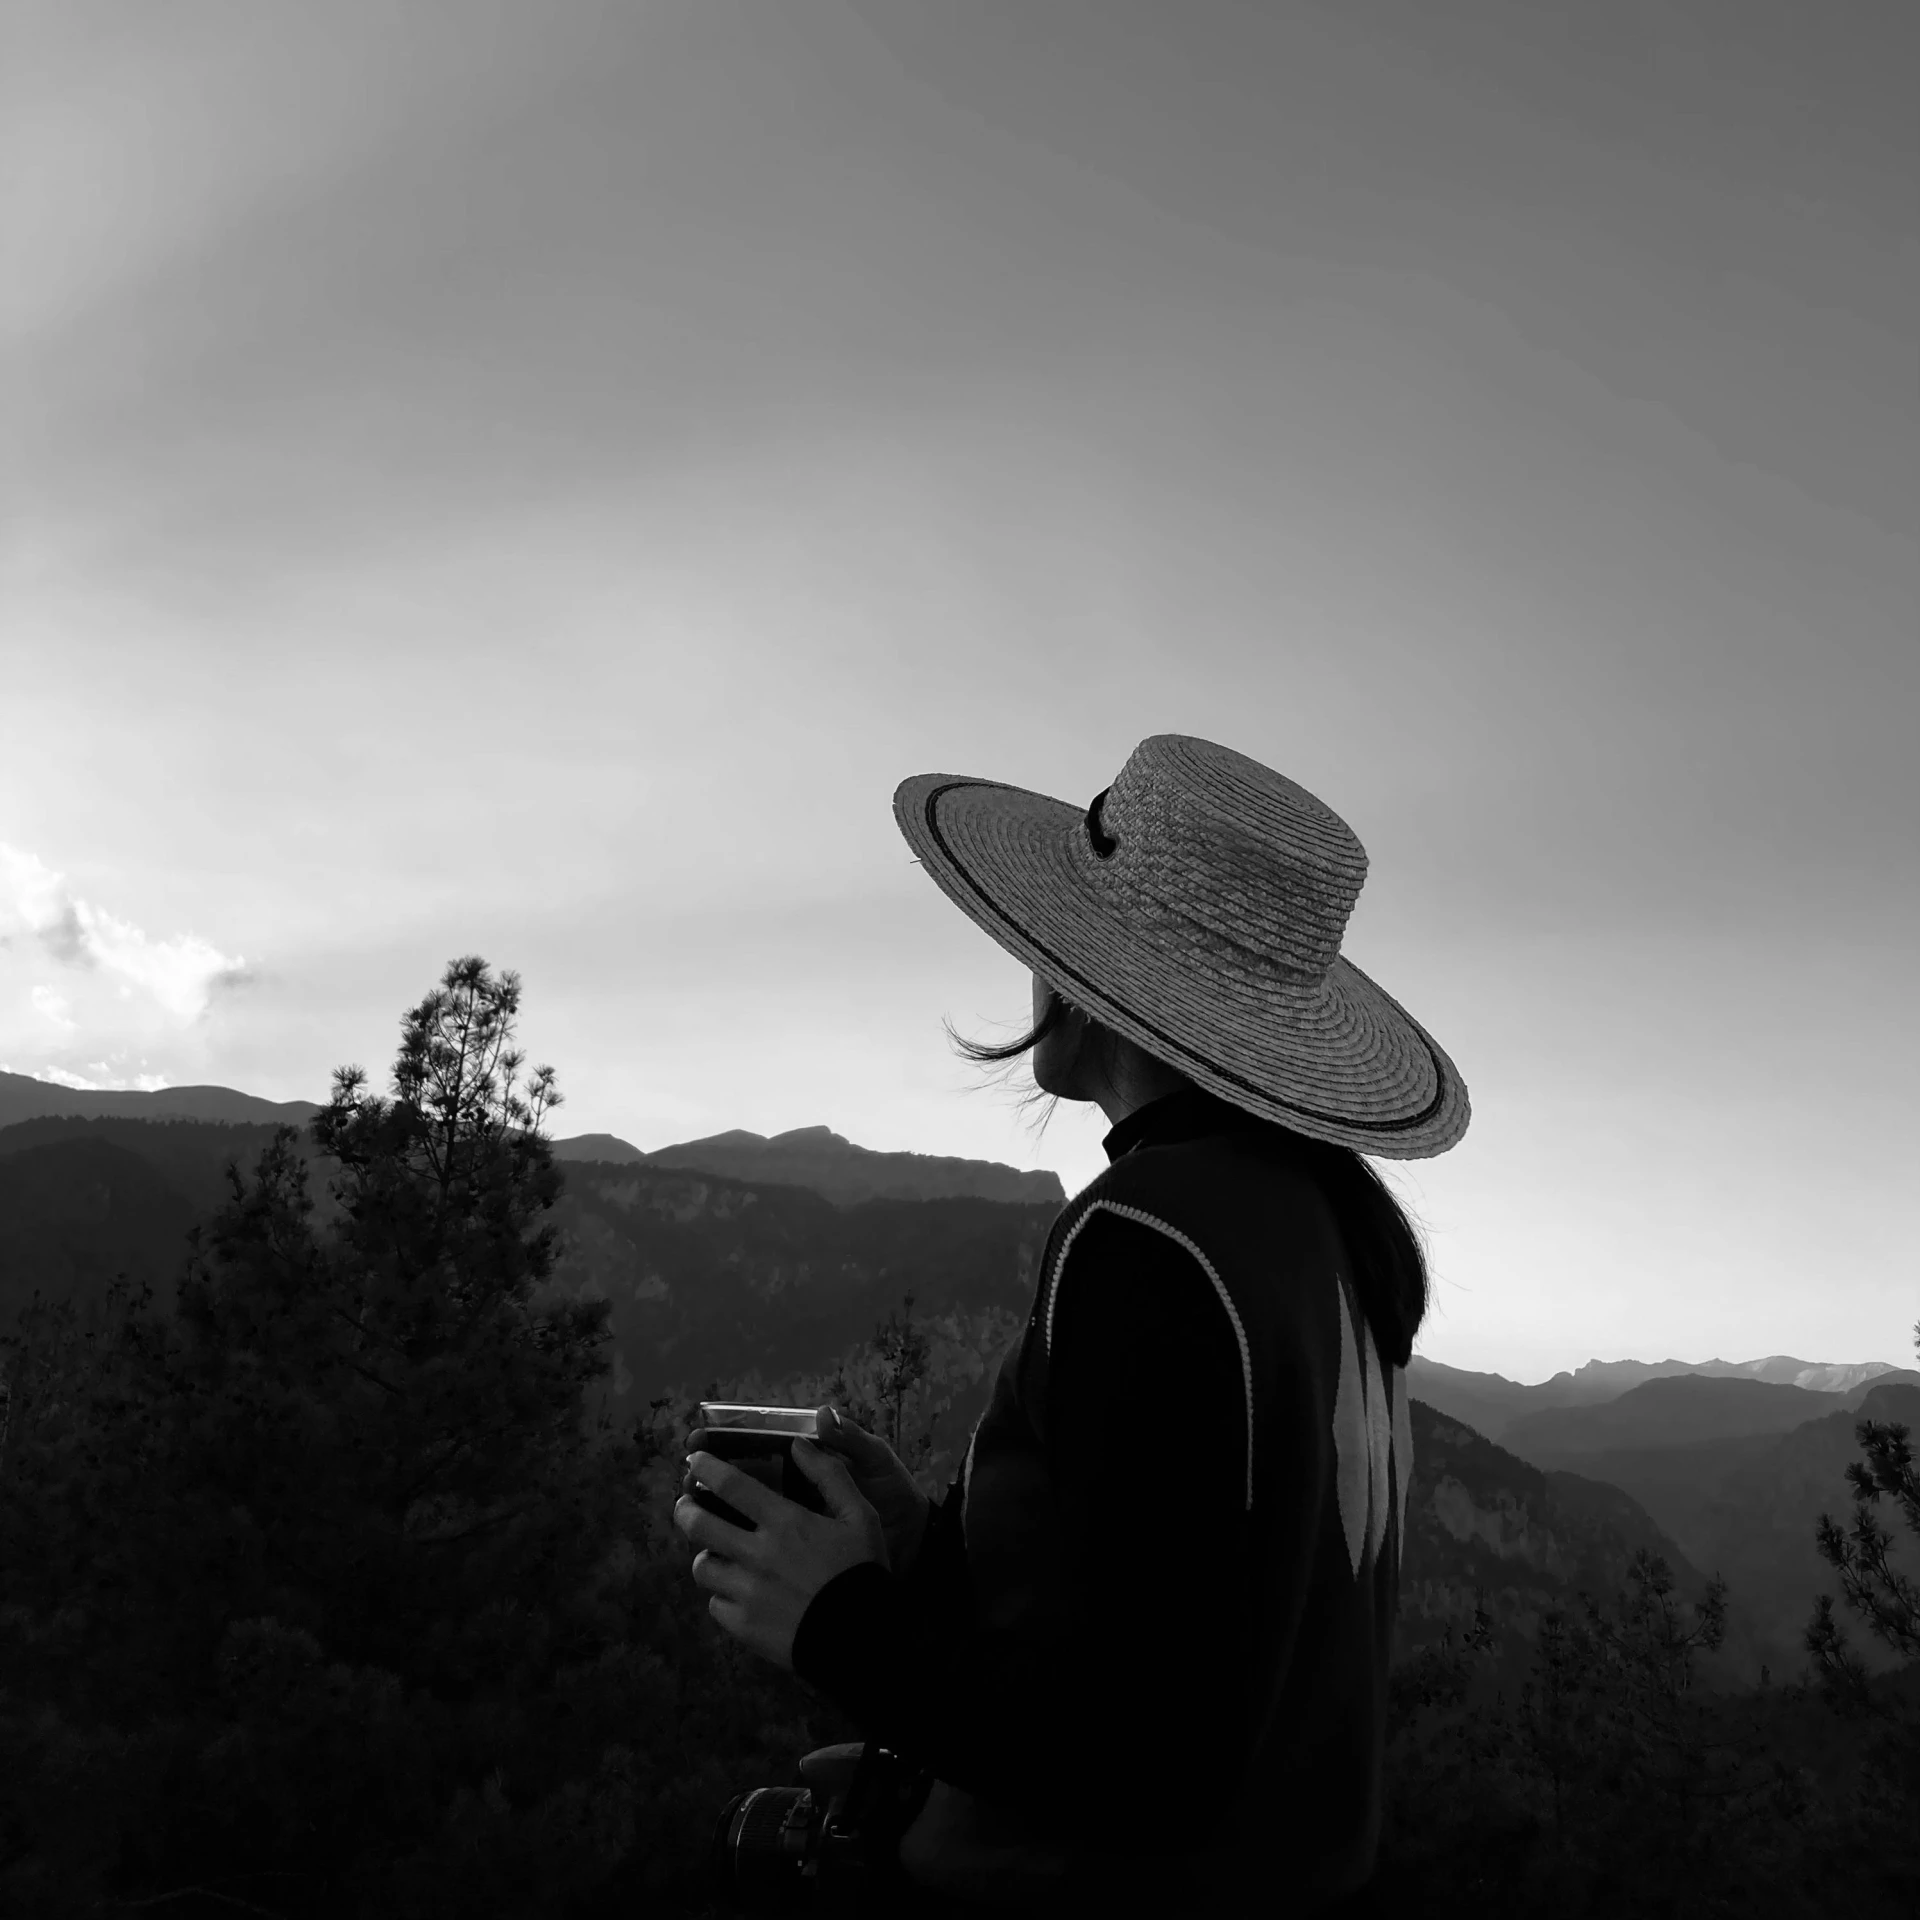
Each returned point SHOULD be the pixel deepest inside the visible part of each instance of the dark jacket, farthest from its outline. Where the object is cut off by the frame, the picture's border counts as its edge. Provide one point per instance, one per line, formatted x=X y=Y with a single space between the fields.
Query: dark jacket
x=1151 y=1621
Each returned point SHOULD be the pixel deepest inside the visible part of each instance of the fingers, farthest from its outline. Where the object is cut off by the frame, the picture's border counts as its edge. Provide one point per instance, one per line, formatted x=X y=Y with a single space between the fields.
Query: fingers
x=832 y=1476
x=721 y=1577
x=740 y=1491
x=842 y=1436
x=708 y=1530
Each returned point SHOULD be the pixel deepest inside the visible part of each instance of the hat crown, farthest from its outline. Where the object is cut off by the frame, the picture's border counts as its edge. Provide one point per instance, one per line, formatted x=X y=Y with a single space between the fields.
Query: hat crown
x=1210 y=844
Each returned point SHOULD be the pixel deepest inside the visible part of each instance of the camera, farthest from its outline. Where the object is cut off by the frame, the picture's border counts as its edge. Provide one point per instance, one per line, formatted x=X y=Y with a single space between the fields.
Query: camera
x=759 y=1441
x=833 y=1839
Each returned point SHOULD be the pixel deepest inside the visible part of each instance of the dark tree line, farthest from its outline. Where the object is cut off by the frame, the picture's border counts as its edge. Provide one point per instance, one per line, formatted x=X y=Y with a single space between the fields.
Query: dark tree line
x=329 y=1590
x=1611 y=1785
x=323 y=1593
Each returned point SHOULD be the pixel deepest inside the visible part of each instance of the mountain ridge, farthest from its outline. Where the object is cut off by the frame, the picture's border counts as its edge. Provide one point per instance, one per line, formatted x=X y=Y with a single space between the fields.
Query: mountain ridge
x=1491 y=1403
x=24 y=1098
x=812 y=1156
x=1671 y=1410
x=827 y=1163
x=1779 y=1369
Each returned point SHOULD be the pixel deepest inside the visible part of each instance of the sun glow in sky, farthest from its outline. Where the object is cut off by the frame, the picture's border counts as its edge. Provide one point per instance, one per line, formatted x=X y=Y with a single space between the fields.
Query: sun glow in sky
x=530 y=479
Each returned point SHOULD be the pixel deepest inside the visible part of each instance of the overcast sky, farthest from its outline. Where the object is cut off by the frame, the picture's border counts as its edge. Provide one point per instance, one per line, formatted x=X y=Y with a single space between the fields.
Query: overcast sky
x=531 y=479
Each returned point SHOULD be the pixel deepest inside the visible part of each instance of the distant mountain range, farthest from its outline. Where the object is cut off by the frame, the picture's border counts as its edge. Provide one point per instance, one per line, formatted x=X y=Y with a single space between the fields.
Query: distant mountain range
x=24 y=1098
x=708 y=1276
x=204 y=1127
x=1604 y=1377
x=713 y=1277
x=1678 y=1410
x=1490 y=1403
x=829 y=1164
x=814 y=1157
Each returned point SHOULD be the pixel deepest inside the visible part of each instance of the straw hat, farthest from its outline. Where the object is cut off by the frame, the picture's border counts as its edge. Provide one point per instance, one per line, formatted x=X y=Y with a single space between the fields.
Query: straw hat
x=1197 y=907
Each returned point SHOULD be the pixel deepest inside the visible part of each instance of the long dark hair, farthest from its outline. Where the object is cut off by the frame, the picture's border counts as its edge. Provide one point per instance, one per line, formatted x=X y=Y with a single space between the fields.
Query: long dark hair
x=1390 y=1266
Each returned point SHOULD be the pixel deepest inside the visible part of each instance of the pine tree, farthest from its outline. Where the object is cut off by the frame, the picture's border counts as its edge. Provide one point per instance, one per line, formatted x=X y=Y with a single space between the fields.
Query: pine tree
x=1882 y=1826
x=323 y=1569
x=1556 y=1721
x=1872 y=1586
x=897 y=1365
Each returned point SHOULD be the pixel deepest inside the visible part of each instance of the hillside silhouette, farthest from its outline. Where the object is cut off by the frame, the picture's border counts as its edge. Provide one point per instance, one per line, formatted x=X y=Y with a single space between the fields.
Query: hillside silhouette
x=23 y=1098
x=1673 y=1411
x=702 y=1274
x=1488 y=1531
x=75 y=1213
x=1603 y=1378
x=708 y=1276
x=190 y=1155
x=814 y=1157
x=1490 y=1402
x=708 y=1272
x=829 y=1164
x=1745 y=1506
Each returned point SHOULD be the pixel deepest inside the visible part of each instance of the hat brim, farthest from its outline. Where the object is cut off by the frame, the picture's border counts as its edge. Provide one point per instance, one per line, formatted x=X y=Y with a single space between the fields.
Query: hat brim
x=1339 y=1060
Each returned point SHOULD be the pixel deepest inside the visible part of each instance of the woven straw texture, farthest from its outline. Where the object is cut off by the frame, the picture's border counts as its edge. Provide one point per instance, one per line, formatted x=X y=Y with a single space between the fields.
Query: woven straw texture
x=1209 y=934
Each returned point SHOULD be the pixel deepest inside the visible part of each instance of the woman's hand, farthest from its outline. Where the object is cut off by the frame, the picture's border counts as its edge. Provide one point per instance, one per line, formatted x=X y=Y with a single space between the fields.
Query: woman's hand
x=763 y=1579
x=878 y=1472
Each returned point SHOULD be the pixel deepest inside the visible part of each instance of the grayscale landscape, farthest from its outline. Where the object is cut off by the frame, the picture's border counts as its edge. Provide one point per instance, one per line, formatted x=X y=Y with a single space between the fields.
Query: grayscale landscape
x=610 y=617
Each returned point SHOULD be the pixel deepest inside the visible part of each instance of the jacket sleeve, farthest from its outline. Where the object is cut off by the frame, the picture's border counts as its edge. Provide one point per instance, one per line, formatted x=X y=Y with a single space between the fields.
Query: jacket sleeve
x=1146 y=1436
x=935 y=1587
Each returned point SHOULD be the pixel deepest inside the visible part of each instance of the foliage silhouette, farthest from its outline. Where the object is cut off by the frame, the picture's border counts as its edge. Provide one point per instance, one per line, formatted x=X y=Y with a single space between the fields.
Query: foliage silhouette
x=318 y=1589
x=1871 y=1585
x=1613 y=1785
x=329 y=1587
x=1885 y=1810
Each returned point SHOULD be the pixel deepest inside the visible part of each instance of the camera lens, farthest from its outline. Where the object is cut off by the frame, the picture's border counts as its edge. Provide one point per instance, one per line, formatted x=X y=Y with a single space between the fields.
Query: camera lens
x=760 y=1846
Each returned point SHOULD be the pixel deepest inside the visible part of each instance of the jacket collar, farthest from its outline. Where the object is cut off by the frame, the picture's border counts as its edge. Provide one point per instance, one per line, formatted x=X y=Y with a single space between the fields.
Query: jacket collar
x=1186 y=1114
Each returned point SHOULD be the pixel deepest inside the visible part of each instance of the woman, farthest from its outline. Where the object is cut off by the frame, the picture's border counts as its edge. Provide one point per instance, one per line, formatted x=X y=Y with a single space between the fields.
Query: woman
x=1142 y=1643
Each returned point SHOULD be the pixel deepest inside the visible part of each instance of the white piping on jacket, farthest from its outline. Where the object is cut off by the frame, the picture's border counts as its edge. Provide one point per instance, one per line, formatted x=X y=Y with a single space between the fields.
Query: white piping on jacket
x=1226 y=1300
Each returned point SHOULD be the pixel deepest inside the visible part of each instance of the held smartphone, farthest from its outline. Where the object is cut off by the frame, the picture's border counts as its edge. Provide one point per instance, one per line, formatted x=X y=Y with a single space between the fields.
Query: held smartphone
x=759 y=1441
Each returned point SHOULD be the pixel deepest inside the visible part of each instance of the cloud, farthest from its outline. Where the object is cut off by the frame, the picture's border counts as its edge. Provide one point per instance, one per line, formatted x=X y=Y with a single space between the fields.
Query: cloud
x=54 y=1008
x=76 y=978
x=31 y=894
x=65 y=937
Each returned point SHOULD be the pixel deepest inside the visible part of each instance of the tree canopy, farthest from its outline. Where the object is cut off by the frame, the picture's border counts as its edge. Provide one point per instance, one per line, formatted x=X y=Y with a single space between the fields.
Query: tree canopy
x=321 y=1579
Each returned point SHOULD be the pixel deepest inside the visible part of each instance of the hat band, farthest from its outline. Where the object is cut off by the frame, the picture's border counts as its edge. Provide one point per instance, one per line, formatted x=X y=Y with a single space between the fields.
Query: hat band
x=1103 y=842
